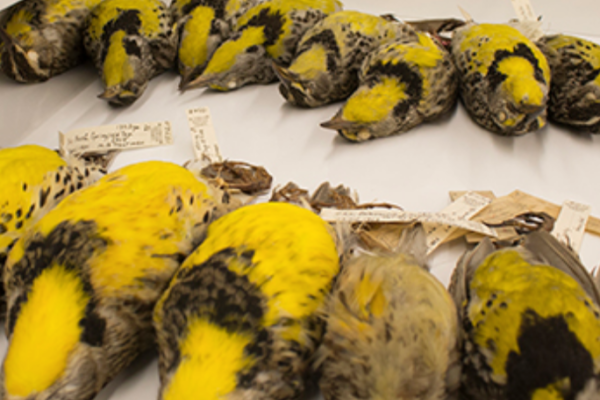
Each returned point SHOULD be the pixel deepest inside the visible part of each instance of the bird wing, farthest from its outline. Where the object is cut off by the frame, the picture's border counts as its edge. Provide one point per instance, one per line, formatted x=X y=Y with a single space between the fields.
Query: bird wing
x=545 y=249
x=464 y=271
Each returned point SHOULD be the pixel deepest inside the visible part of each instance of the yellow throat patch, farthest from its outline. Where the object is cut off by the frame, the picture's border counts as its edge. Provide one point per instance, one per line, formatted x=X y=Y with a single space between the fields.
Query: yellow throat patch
x=374 y=104
x=192 y=49
x=46 y=332
x=225 y=56
x=211 y=357
x=116 y=67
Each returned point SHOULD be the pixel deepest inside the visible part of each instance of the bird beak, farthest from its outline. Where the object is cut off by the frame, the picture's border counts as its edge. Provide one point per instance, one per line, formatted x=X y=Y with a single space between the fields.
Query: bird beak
x=284 y=75
x=188 y=76
x=534 y=112
x=198 y=82
x=9 y=42
x=337 y=123
x=117 y=96
x=110 y=93
x=348 y=130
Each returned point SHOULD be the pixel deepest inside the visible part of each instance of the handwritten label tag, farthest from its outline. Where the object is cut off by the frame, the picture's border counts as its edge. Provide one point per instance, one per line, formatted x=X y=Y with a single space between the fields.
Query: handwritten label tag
x=524 y=10
x=570 y=224
x=529 y=24
x=116 y=137
x=464 y=208
x=392 y=215
x=204 y=139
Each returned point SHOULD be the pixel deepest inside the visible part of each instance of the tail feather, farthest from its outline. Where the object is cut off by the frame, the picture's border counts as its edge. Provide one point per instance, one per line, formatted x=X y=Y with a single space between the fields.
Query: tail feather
x=413 y=241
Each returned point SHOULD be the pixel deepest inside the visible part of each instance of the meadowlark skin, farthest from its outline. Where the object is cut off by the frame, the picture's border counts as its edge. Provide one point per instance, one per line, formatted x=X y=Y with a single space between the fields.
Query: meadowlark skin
x=392 y=330
x=81 y=284
x=130 y=42
x=203 y=25
x=531 y=322
x=575 y=90
x=268 y=31
x=34 y=179
x=402 y=84
x=42 y=38
x=329 y=55
x=504 y=78
x=238 y=320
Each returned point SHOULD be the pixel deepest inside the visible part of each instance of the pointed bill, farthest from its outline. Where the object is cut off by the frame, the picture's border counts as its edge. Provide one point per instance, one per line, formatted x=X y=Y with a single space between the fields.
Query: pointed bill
x=337 y=123
x=197 y=83
x=283 y=73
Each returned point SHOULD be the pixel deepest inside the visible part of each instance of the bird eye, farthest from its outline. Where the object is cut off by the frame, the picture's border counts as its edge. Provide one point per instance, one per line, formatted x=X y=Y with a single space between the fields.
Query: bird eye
x=252 y=49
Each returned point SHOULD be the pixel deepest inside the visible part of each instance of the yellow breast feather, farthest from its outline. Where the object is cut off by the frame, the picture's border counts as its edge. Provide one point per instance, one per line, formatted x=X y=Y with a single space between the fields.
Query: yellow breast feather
x=46 y=331
x=291 y=240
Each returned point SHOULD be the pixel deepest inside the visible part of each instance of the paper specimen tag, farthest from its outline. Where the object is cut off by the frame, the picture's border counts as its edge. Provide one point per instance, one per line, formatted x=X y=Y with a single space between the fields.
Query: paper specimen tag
x=204 y=139
x=465 y=14
x=463 y=208
x=116 y=137
x=393 y=215
x=570 y=224
x=524 y=10
x=529 y=24
x=455 y=194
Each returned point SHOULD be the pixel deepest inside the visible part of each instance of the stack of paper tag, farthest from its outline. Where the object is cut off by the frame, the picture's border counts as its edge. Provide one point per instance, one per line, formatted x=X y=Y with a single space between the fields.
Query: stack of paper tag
x=475 y=215
x=572 y=218
x=438 y=225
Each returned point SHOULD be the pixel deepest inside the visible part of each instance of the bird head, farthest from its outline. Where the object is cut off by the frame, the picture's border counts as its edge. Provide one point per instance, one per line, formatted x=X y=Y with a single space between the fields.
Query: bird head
x=518 y=103
x=376 y=109
x=125 y=71
x=352 y=131
x=308 y=80
x=27 y=57
x=239 y=61
x=585 y=110
x=199 y=36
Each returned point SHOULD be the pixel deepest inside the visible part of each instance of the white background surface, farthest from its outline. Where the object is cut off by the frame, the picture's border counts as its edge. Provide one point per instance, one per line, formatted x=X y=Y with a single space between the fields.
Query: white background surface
x=415 y=170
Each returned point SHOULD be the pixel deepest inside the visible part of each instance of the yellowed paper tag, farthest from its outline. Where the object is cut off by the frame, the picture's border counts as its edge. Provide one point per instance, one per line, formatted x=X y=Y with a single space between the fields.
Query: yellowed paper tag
x=455 y=194
x=570 y=224
x=504 y=233
x=524 y=10
x=464 y=208
x=204 y=139
x=528 y=21
x=116 y=137
x=393 y=215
